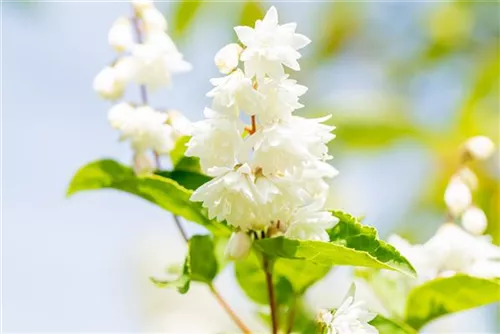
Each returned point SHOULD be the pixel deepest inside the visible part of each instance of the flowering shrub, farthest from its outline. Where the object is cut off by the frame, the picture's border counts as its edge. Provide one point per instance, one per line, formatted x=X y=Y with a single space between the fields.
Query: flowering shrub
x=254 y=175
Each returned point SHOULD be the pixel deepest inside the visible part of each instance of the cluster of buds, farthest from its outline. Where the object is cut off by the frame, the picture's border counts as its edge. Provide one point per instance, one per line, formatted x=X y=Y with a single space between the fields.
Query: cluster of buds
x=269 y=175
x=458 y=194
x=146 y=56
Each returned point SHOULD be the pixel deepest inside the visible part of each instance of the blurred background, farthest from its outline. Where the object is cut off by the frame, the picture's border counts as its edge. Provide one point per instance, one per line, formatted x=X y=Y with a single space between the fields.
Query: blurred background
x=405 y=82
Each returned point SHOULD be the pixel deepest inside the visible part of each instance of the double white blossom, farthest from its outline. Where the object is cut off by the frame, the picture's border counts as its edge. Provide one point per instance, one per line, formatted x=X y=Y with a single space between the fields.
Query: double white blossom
x=350 y=318
x=270 y=174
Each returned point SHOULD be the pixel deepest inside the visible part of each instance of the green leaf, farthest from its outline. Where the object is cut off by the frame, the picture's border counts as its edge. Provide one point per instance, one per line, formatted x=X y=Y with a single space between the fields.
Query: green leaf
x=202 y=261
x=391 y=326
x=252 y=11
x=182 y=283
x=351 y=233
x=200 y=265
x=164 y=192
x=351 y=244
x=448 y=295
x=251 y=278
x=187 y=179
x=180 y=161
x=300 y=273
x=184 y=14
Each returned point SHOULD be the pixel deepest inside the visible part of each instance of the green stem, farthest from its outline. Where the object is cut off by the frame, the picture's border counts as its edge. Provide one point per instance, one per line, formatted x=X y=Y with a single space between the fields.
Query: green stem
x=291 y=315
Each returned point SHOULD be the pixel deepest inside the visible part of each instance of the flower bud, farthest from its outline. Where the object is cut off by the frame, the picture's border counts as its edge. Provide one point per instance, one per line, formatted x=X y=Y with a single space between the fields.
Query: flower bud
x=179 y=122
x=239 y=246
x=467 y=176
x=474 y=220
x=108 y=84
x=228 y=57
x=120 y=36
x=457 y=197
x=480 y=147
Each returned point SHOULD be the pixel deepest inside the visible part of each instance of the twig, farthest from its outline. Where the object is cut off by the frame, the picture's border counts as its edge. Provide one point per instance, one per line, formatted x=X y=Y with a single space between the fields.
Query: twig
x=229 y=311
x=270 y=292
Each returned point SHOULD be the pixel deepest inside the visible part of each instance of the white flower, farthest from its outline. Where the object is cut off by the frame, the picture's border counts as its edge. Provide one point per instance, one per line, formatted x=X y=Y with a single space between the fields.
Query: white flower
x=232 y=195
x=310 y=223
x=140 y=5
x=421 y=258
x=457 y=197
x=153 y=20
x=474 y=220
x=109 y=84
x=281 y=98
x=234 y=92
x=282 y=147
x=480 y=147
x=155 y=66
x=180 y=123
x=270 y=45
x=239 y=246
x=350 y=318
x=460 y=252
x=120 y=36
x=143 y=126
x=217 y=141
x=227 y=58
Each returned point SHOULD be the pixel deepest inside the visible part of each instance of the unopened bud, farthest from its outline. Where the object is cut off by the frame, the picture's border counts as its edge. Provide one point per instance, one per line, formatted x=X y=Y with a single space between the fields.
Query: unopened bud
x=467 y=176
x=120 y=36
x=457 y=197
x=474 y=220
x=239 y=246
x=480 y=147
x=228 y=57
x=140 y=5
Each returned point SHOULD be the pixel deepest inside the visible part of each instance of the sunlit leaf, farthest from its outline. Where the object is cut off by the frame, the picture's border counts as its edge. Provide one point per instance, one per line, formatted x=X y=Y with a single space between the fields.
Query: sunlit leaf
x=448 y=295
x=252 y=11
x=391 y=326
x=184 y=13
x=164 y=192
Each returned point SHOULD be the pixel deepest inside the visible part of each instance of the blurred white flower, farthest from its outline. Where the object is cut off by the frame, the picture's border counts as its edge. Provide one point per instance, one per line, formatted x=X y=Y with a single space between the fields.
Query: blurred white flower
x=270 y=45
x=480 y=147
x=143 y=164
x=239 y=246
x=145 y=127
x=460 y=252
x=457 y=197
x=153 y=20
x=350 y=318
x=180 y=123
x=120 y=36
x=140 y=5
x=467 y=176
x=109 y=84
x=474 y=220
x=227 y=58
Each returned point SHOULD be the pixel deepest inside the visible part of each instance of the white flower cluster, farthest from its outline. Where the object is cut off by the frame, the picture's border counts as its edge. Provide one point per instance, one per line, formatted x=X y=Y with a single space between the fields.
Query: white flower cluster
x=451 y=251
x=458 y=194
x=148 y=59
x=350 y=318
x=269 y=174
